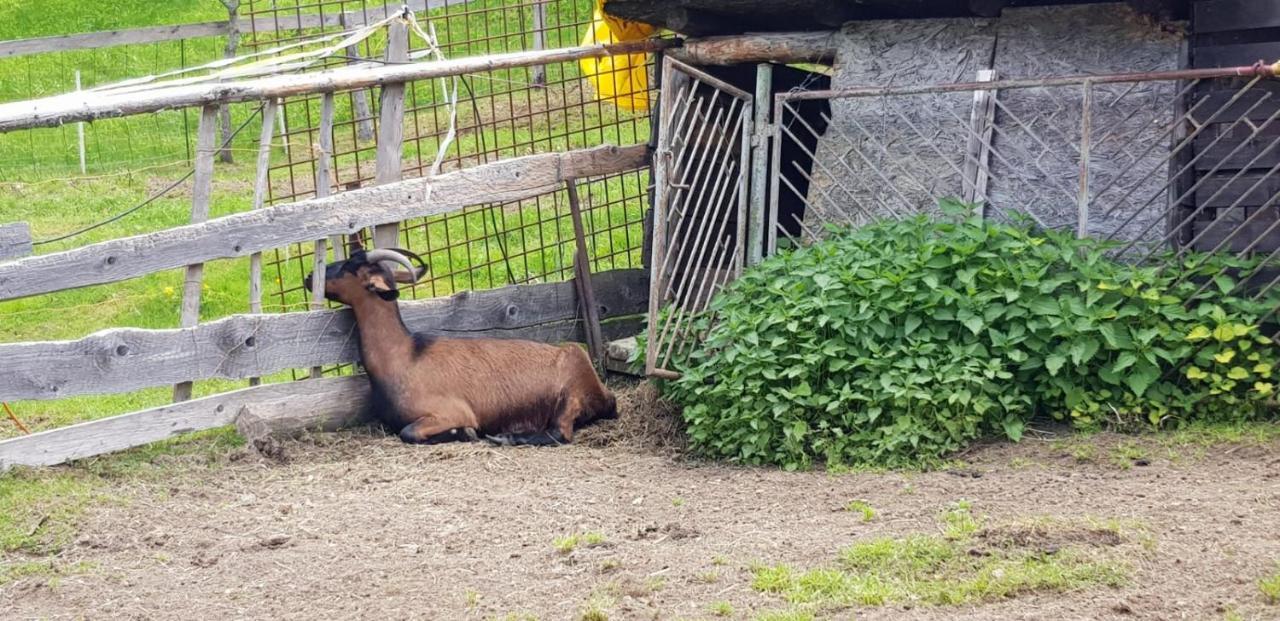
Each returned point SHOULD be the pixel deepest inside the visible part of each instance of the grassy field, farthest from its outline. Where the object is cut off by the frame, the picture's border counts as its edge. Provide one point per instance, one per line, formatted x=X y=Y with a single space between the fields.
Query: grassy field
x=138 y=156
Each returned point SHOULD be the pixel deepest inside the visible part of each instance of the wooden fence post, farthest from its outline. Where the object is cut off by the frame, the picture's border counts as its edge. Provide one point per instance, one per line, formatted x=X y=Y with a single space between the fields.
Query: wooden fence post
x=359 y=98
x=540 y=39
x=391 y=129
x=323 y=189
x=260 y=181
x=201 y=190
x=80 y=131
x=759 y=162
x=15 y=240
x=582 y=280
x=233 y=41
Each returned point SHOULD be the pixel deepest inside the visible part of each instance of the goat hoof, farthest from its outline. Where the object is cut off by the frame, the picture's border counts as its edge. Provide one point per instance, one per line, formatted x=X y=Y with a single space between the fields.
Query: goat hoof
x=499 y=440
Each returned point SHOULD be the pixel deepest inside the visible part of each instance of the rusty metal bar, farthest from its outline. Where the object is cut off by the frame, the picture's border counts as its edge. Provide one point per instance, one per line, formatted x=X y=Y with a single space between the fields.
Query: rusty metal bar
x=582 y=280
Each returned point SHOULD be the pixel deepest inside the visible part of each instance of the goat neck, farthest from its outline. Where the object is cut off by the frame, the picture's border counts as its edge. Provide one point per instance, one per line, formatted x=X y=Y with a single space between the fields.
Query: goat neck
x=386 y=347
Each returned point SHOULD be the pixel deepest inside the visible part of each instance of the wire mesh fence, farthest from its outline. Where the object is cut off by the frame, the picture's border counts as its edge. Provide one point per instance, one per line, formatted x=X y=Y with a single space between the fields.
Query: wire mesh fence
x=500 y=114
x=134 y=142
x=1162 y=167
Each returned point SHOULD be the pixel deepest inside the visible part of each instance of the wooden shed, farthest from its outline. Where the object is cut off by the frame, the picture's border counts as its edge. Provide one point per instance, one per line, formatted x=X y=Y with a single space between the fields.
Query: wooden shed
x=1206 y=145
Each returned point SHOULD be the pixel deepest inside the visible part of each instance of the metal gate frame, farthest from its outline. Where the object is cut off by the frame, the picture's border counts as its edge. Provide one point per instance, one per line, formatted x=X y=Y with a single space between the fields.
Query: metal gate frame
x=693 y=128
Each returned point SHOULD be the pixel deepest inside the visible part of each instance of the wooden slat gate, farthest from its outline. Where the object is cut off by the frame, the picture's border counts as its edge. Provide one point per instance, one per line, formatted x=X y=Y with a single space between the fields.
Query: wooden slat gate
x=700 y=204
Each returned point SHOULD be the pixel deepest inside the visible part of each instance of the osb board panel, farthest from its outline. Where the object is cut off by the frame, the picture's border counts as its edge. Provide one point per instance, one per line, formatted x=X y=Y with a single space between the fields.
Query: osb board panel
x=898 y=155
x=902 y=153
x=1039 y=130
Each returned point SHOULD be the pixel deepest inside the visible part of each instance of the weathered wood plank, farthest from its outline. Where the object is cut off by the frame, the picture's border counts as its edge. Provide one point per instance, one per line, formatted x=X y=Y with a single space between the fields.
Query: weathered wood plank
x=343 y=213
x=15 y=240
x=782 y=47
x=201 y=194
x=242 y=346
x=117 y=433
x=391 y=130
x=174 y=32
x=88 y=106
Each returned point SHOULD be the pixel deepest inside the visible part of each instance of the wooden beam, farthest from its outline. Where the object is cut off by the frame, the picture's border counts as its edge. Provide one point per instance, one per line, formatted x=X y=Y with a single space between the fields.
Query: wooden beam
x=117 y=433
x=243 y=233
x=201 y=194
x=782 y=47
x=391 y=130
x=155 y=34
x=242 y=346
x=15 y=240
x=71 y=107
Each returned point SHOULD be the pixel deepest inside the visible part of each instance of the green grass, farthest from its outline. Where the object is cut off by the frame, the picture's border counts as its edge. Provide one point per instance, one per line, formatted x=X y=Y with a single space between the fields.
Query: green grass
x=569 y=543
x=1269 y=586
x=861 y=507
x=721 y=609
x=40 y=508
x=944 y=570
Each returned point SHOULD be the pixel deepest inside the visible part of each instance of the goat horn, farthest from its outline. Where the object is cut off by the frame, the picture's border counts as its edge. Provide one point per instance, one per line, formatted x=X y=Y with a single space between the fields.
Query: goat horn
x=397 y=256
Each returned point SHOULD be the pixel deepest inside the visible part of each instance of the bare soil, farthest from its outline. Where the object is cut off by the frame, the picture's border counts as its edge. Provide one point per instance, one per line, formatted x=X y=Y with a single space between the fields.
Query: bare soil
x=358 y=525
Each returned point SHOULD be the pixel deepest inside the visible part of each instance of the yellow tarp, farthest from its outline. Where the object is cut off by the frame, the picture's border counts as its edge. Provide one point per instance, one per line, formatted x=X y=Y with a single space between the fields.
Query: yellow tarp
x=620 y=80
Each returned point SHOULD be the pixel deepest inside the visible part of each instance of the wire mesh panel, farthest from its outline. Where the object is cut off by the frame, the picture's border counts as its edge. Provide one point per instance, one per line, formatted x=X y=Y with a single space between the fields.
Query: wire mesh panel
x=1160 y=166
x=700 y=204
x=500 y=114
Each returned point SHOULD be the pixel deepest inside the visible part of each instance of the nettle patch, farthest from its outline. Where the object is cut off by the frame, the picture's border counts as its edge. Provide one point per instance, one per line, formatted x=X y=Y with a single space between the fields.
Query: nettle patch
x=903 y=341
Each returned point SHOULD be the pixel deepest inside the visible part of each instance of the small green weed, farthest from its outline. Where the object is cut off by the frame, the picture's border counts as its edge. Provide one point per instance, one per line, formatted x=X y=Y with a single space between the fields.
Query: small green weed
x=709 y=577
x=1270 y=587
x=721 y=609
x=719 y=560
x=862 y=507
x=569 y=543
x=959 y=522
x=677 y=502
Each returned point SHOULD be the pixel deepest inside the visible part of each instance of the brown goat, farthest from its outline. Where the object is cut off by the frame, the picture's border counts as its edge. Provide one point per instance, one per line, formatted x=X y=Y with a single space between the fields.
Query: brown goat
x=434 y=390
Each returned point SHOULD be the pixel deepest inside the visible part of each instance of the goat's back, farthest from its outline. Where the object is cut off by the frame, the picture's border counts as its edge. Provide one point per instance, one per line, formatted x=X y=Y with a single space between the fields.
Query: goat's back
x=510 y=385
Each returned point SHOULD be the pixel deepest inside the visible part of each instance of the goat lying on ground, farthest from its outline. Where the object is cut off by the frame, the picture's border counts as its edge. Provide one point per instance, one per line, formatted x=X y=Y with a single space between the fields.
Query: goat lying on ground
x=436 y=390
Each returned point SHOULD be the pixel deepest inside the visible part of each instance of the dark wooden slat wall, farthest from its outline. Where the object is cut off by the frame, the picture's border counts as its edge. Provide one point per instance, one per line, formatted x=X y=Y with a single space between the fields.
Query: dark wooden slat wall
x=1234 y=158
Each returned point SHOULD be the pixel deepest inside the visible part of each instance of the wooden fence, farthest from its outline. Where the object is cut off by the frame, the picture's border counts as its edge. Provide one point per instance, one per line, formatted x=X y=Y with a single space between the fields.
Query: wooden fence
x=251 y=346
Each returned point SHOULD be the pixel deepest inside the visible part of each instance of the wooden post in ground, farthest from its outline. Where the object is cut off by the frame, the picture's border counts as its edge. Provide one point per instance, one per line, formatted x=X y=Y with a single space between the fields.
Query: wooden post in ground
x=359 y=98
x=323 y=189
x=391 y=129
x=15 y=240
x=259 y=197
x=582 y=280
x=201 y=191
x=759 y=162
x=539 y=39
x=233 y=41
x=80 y=130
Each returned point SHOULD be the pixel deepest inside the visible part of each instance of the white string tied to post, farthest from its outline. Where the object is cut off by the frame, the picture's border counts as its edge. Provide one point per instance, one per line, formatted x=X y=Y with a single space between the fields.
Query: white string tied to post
x=450 y=97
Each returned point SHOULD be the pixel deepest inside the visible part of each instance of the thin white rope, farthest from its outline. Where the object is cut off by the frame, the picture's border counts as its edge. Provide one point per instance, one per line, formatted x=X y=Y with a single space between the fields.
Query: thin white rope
x=450 y=97
x=264 y=66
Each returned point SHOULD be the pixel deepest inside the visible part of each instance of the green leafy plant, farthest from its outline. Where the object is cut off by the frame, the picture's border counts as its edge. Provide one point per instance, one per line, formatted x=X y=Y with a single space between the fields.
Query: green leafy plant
x=903 y=341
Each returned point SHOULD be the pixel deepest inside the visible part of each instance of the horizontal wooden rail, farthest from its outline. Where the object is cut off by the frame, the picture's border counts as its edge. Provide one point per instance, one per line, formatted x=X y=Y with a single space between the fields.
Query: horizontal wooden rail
x=243 y=346
x=337 y=397
x=89 y=106
x=244 y=233
x=174 y=32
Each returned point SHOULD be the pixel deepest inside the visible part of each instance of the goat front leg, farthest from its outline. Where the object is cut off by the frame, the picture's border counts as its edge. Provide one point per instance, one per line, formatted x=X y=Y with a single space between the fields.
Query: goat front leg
x=444 y=420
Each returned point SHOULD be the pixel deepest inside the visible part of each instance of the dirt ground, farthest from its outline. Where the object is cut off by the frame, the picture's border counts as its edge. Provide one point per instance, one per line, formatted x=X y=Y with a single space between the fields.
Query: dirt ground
x=356 y=525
